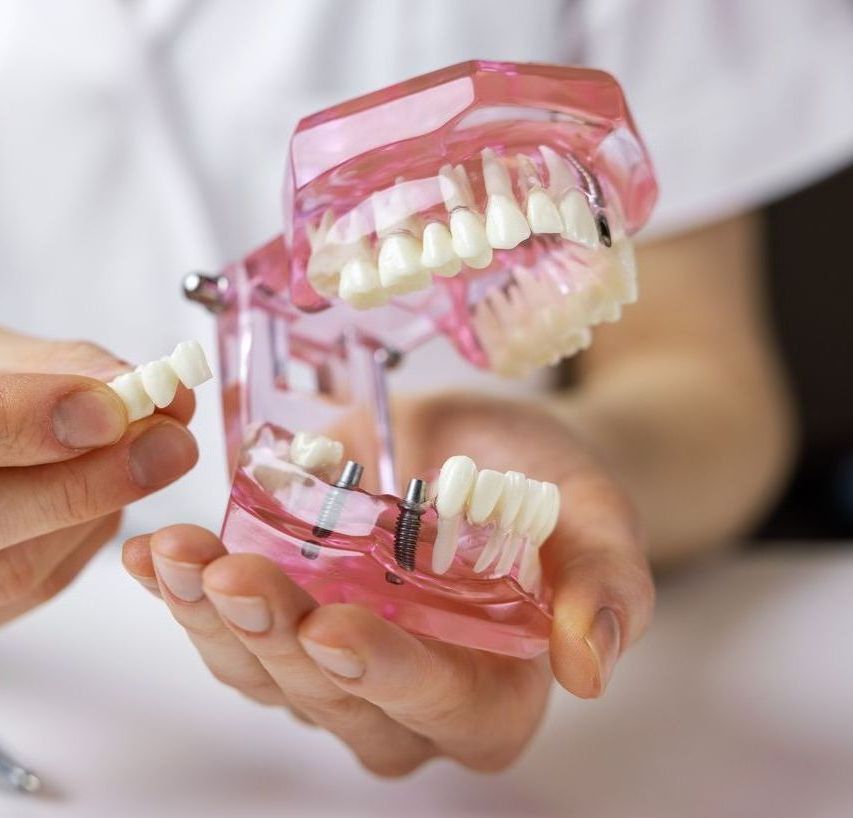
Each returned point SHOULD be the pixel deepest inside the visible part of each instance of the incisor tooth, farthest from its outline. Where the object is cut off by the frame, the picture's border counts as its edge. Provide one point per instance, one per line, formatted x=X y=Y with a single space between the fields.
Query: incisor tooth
x=190 y=364
x=485 y=495
x=160 y=381
x=400 y=269
x=314 y=452
x=360 y=286
x=578 y=222
x=542 y=213
x=506 y=226
x=133 y=395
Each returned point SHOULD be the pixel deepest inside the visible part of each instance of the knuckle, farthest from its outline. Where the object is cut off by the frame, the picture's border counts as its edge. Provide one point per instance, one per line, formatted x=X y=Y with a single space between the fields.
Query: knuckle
x=72 y=500
x=17 y=432
x=341 y=713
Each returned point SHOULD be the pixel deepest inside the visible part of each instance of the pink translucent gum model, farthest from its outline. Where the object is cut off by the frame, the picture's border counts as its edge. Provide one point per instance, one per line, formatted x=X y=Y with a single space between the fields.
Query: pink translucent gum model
x=491 y=203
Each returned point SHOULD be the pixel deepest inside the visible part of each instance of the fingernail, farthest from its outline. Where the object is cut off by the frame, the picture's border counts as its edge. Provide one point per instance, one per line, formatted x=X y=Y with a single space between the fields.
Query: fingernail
x=250 y=613
x=88 y=418
x=183 y=579
x=162 y=454
x=604 y=640
x=341 y=661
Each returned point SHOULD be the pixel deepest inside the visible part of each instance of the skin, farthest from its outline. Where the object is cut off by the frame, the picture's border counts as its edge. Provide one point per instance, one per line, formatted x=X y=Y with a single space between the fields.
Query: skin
x=60 y=503
x=681 y=428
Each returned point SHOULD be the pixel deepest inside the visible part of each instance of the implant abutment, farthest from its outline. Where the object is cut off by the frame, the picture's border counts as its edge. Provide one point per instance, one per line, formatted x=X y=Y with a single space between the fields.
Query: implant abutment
x=213 y=292
x=330 y=511
x=408 y=526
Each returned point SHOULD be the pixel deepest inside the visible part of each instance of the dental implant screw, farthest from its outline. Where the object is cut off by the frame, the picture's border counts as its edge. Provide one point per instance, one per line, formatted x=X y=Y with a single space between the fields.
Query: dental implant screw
x=604 y=230
x=408 y=526
x=332 y=506
x=212 y=292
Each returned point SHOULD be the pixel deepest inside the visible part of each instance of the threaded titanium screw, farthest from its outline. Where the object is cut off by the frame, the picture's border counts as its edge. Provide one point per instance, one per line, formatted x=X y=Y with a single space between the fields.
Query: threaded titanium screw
x=408 y=526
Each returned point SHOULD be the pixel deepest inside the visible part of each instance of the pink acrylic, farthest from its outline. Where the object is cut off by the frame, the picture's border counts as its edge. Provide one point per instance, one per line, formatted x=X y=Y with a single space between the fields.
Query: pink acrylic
x=294 y=359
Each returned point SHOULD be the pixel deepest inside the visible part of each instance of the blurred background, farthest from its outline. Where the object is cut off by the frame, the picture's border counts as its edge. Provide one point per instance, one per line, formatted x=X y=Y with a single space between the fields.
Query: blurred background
x=140 y=139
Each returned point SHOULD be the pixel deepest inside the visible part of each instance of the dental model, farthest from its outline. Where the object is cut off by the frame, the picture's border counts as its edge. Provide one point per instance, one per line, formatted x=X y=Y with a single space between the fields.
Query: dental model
x=153 y=385
x=489 y=203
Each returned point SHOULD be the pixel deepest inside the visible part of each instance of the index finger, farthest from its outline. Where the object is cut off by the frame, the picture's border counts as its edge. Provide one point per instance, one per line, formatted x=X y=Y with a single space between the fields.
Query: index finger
x=49 y=418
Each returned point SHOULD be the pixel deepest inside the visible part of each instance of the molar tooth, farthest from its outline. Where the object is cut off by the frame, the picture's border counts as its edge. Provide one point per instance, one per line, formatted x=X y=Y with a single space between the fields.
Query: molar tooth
x=133 y=395
x=360 y=286
x=469 y=238
x=400 y=269
x=485 y=495
x=542 y=213
x=438 y=253
x=506 y=226
x=160 y=381
x=190 y=364
x=455 y=483
x=315 y=452
x=578 y=222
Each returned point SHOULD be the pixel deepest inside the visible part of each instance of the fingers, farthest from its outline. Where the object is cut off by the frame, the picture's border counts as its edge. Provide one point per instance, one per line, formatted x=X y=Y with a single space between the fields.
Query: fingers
x=26 y=583
x=603 y=589
x=46 y=418
x=262 y=607
x=36 y=500
x=476 y=707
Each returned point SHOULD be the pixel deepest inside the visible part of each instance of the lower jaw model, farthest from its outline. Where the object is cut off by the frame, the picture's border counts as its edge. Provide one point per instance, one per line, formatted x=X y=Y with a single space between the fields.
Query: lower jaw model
x=491 y=203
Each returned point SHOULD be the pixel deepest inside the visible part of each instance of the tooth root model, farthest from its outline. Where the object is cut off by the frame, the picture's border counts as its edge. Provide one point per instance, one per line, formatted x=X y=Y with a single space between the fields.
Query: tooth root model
x=490 y=203
x=154 y=384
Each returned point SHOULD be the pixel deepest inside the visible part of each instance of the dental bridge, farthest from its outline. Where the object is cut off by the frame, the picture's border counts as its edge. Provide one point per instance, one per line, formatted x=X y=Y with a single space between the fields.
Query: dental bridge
x=491 y=203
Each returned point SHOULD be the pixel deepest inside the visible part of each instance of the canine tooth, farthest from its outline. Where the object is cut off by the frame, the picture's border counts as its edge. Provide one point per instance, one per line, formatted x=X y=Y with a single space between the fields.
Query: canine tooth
x=160 y=381
x=189 y=364
x=437 y=253
x=455 y=482
x=133 y=395
x=506 y=226
x=542 y=213
x=469 y=236
x=578 y=221
x=496 y=177
x=315 y=452
x=561 y=175
x=400 y=268
x=360 y=286
x=485 y=495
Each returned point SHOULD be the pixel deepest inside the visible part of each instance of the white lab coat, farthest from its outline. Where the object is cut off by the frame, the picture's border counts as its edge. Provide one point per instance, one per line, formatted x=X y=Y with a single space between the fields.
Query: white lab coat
x=145 y=138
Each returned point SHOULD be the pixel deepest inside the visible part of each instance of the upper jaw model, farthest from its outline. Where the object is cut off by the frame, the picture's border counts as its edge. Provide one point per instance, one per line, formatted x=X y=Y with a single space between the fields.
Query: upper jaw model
x=488 y=202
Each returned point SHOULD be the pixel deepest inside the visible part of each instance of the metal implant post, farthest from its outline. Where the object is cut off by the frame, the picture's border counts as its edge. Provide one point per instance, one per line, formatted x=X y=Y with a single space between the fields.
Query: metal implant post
x=408 y=525
x=212 y=292
x=333 y=504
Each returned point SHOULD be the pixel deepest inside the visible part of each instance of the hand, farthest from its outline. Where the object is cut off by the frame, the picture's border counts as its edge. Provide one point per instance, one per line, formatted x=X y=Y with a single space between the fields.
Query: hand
x=69 y=462
x=395 y=699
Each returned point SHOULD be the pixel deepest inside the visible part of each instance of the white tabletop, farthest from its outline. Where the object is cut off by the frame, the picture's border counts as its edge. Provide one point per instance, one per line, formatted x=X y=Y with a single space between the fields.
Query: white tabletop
x=738 y=703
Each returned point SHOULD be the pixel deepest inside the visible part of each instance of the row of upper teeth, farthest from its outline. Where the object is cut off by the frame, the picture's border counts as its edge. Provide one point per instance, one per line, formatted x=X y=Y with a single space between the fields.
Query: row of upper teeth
x=533 y=322
x=409 y=256
x=523 y=511
x=154 y=384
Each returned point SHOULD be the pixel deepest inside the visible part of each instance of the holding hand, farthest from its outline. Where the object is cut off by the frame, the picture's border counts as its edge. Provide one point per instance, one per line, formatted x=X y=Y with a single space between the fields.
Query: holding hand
x=395 y=699
x=69 y=462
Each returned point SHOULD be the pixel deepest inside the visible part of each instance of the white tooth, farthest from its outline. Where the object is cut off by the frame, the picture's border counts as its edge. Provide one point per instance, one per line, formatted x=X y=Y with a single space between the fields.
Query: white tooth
x=533 y=500
x=400 y=268
x=438 y=252
x=528 y=175
x=510 y=553
x=446 y=543
x=455 y=483
x=549 y=512
x=485 y=495
x=327 y=259
x=317 y=235
x=610 y=312
x=455 y=187
x=542 y=213
x=506 y=226
x=189 y=364
x=492 y=548
x=619 y=276
x=528 y=567
x=561 y=175
x=480 y=261
x=515 y=488
x=578 y=221
x=160 y=382
x=133 y=395
x=468 y=235
x=315 y=452
x=496 y=177
x=360 y=286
